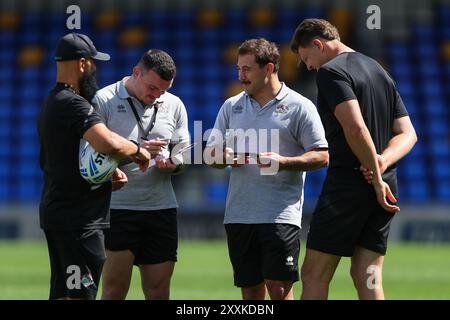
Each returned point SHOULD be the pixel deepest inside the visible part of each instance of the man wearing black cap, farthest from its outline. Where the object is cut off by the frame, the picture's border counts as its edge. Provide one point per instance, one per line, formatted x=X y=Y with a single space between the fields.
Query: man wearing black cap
x=73 y=212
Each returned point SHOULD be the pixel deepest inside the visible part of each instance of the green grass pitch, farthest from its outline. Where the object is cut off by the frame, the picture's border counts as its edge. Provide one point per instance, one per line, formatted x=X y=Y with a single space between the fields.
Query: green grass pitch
x=203 y=271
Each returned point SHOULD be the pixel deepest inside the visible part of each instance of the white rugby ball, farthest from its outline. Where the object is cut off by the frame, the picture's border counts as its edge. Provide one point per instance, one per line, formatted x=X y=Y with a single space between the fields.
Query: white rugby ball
x=96 y=168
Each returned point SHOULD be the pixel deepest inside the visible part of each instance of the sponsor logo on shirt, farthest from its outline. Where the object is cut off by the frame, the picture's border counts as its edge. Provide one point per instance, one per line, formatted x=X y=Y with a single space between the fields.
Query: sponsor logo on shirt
x=289 y=261
x=282 y=109
x=121 y=108
x=238 y=109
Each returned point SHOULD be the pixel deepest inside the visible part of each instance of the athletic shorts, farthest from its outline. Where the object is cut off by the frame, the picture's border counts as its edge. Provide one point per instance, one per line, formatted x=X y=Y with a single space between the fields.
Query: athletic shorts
x=261 y=252
x=76 y=262
x=152 y=236
x=348 y=215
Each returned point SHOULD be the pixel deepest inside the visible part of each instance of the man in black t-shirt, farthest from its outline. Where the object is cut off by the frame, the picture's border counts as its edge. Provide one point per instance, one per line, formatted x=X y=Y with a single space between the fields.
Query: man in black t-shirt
x=368 y=130
x=73 y=212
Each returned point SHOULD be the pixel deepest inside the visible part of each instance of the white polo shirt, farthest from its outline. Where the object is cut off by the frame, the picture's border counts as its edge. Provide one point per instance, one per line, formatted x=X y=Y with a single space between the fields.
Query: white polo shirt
x=254 y=198
x=151 y=190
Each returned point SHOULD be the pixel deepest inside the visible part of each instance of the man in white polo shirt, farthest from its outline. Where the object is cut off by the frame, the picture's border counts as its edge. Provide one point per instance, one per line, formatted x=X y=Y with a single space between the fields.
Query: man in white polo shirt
x=263 y=211
x=143 y=213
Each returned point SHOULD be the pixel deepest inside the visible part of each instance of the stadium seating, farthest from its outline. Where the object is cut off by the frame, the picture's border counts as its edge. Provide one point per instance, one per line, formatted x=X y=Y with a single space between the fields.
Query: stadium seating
x=203 y=45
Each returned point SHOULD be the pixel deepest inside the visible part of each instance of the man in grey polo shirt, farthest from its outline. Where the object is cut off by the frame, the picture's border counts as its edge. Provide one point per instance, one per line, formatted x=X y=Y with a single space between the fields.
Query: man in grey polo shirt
x=263 y=209
x=143 y=213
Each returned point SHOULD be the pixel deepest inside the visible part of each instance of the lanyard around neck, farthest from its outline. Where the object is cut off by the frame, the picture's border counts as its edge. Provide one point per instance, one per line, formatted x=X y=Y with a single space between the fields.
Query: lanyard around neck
x=138 y=119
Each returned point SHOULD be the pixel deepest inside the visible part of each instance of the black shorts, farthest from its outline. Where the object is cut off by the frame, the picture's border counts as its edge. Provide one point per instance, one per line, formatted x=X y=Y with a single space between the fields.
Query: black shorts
x=152 y=236
x=348 y=215
x=76 y=262
x=261 y=252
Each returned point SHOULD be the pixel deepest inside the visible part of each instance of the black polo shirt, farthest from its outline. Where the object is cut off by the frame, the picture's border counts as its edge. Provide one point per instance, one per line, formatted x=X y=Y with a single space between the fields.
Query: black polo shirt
x=67 y=200
x=349 y=76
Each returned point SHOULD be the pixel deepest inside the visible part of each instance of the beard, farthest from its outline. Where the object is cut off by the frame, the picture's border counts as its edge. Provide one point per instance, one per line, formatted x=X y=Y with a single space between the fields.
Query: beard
x=88 y=85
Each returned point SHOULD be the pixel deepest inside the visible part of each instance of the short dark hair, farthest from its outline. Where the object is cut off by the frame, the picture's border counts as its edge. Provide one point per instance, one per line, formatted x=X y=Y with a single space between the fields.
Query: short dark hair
x=310 y=29
x=160 y=62
x=263 y=50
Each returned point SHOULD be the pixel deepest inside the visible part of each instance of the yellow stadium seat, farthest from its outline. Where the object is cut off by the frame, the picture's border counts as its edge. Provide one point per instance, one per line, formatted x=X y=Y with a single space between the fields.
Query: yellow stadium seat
x=342 y=19
x=32 y=56
x=445 y=51
x=9 y=20
x=210 y=18
x=133 y=37
x=231 y=54
x=289 y=70
x=233 y=89
x=107 y=20
x=261 y=18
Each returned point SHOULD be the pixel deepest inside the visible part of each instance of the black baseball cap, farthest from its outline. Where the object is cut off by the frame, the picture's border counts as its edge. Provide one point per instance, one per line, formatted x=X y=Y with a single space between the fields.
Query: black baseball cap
x=74 y=46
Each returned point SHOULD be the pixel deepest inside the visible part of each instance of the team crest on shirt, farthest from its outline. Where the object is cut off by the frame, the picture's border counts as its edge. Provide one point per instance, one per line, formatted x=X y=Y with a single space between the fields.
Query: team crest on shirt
x=282 y=109
x=238 y=109
x=121 y=108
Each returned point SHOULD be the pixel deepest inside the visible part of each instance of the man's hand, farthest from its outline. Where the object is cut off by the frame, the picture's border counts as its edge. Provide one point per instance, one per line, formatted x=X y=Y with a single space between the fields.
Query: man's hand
x=368 y=174
x=154 y=146
x=383 y=191
x=232 y=160
x=270 y=159
x=119 y=179
x=165 y=165
x=142 y=159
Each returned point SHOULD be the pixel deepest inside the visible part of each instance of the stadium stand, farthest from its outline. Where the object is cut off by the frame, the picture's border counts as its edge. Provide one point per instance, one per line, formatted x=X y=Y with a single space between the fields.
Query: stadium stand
x=203 y=43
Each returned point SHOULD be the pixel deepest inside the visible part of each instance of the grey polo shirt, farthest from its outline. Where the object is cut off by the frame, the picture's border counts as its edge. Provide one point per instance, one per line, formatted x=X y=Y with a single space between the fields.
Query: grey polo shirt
x=151 y=190
x=255 y=198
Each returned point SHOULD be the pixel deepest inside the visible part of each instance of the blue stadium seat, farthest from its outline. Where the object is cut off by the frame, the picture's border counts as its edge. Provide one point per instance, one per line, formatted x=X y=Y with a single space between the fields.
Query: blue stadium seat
x=29 y=75
x=446 y=69
x=210 y=54
x=417 y=190
x=237 y=36
x=216 y=193
x=7 y=39
x=8 y=56
x=30 y=112
x=8 y=74
x=435 y=107
x=426 y=51
x=419 y=149
x=158 y=38
x=439 y=147
x=28 y=131
x=229 y=73
x=133 y=19
x=105 y=39
x=5 y=109
x=405 y=88
x=209 y=37
x=6 y=92
x=441 y=169
x=158 y=19
x=432 y=89
x=181 y=40
x=401 y=70
x=428 y=69
x=413 y=168
x=443 y=190
x=28 y=191
x=398 y=52
x=185 y=54
x=6 y=149
x=182 y=20
x=424 y=33
x=186 y=73
x=4 y=192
